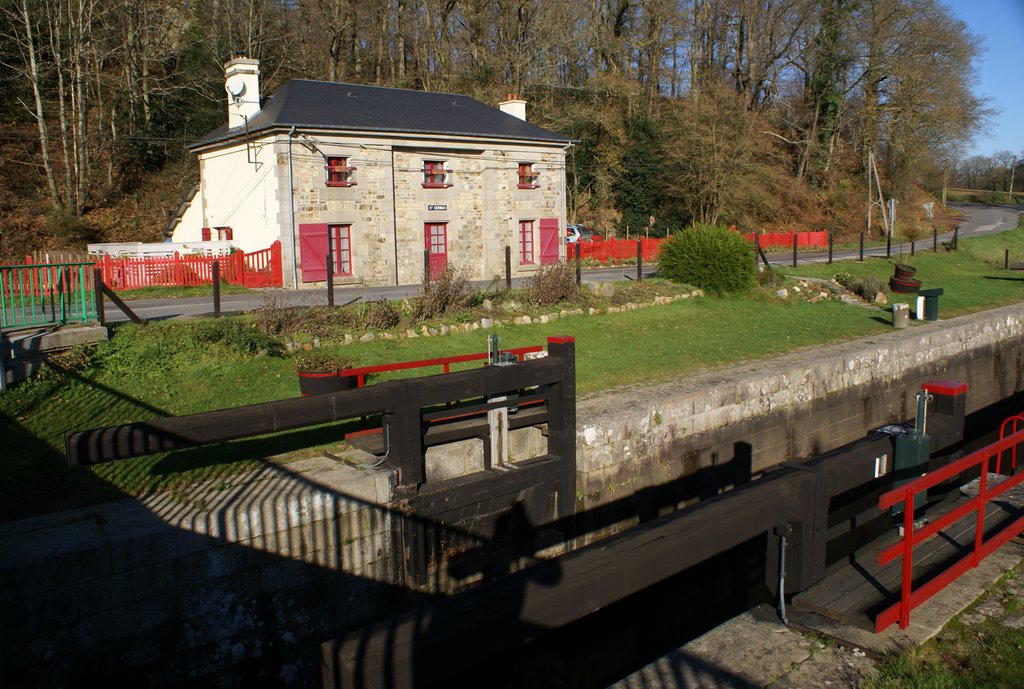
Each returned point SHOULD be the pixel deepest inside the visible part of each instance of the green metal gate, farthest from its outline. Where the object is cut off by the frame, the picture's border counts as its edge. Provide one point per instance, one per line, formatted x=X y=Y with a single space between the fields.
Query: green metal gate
x=46 y=294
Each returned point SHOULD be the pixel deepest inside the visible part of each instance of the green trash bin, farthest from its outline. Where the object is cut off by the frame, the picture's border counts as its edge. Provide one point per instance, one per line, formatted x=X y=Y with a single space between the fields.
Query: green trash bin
x=931 y=303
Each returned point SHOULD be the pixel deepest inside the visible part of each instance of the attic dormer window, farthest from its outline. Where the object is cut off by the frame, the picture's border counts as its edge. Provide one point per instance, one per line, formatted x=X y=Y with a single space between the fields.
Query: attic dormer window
x=528 y=176
x=339 y=172
x=436 y=175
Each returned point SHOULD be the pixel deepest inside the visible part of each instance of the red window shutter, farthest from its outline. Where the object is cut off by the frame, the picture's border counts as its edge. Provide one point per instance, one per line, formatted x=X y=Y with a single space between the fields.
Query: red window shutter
x=206 y=234
x=228 y=234
x=549 y=240
x=313 y=251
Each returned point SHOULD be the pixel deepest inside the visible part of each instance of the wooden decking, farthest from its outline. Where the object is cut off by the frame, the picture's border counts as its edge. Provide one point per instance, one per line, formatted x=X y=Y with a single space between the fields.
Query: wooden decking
x=857 y=592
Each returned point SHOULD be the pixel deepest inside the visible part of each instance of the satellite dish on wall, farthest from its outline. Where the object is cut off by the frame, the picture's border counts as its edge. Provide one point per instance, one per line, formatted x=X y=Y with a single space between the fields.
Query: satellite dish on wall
x=235 y=86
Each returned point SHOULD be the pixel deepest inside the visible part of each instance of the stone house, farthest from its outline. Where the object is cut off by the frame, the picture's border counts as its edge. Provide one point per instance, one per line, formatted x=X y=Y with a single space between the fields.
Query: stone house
x=394 y=179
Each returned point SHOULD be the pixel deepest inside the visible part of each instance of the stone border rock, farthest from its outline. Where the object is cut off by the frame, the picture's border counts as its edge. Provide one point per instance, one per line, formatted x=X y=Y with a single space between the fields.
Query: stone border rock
x=487 y=323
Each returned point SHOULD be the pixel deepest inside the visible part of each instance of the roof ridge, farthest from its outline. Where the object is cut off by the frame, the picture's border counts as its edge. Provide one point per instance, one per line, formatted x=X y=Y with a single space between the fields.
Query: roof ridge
x=386 y=88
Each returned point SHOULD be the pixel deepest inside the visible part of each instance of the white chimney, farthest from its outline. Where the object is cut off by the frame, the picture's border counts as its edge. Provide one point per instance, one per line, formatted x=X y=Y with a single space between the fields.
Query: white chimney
x=242 y=82
x=513 y=106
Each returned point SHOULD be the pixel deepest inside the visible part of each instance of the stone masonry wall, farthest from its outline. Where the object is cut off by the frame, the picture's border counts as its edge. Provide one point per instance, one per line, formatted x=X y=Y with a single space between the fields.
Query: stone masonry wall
x=482 y=208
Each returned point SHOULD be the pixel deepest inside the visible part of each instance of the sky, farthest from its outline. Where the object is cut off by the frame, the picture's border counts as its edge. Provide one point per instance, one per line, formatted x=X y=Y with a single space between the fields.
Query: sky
x=1000 y=24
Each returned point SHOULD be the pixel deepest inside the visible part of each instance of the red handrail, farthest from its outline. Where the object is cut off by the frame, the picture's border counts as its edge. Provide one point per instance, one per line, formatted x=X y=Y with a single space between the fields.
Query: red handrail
x=1013 y=452
x=911 y=598
x=445 y=362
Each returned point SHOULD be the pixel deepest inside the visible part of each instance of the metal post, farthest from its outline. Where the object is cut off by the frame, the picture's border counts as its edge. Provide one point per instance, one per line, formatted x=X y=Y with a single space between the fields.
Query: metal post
x=216 y=289
x=65 y=293
x=956 y=238
x=830 y=248
x=330 y=272
x=935 y=240
x=1006 y=259
x=426 y=266
x=888 y=245
x=508 y=267
x=911 y=247
x=639 y=260
x=794 y=249
x=97 y=287
x=579 y=265
x=861 y=247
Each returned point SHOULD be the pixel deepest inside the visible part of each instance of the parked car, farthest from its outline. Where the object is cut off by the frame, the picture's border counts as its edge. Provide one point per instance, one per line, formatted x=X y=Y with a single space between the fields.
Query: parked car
x=579 y=233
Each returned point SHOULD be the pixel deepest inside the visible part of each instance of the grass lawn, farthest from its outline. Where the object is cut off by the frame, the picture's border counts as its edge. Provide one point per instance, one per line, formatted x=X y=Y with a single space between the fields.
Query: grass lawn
x=972 y=278
x=987 y=655
x=180 y=367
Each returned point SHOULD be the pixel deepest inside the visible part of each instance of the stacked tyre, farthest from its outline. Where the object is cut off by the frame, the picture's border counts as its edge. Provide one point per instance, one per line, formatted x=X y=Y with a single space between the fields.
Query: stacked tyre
x=903 y=282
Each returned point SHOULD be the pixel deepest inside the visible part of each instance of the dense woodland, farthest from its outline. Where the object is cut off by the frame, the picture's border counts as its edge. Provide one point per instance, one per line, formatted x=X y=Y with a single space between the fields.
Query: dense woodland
x=758 y=113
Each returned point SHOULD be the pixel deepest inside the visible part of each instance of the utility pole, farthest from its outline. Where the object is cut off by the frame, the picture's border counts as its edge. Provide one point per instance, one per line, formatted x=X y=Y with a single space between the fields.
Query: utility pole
x=872 y=199
x=945 y=178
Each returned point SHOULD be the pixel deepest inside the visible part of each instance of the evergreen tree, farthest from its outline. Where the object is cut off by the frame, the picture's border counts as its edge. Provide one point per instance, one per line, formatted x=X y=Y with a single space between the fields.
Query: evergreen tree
x=639 y=190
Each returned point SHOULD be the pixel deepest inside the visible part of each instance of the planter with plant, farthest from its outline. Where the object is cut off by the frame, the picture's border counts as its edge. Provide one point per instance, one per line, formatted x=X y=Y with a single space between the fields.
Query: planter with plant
x=318 y=372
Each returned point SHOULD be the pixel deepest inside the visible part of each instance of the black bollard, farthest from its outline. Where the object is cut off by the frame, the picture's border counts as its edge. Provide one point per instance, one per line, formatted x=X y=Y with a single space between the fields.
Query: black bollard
x=508 y=267
x=216 y=289
x=330 y=274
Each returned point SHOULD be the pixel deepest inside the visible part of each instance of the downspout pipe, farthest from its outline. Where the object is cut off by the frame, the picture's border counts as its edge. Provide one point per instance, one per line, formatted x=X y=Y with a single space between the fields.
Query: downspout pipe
x=394 y=212
x=291 y=210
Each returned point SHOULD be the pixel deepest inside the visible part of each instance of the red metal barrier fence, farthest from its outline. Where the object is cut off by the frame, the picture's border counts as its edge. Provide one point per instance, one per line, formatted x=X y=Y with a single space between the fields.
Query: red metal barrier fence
x=256 y=269
x=625 y=249
x=613 y=249
x=817 y=240
x=985 y=543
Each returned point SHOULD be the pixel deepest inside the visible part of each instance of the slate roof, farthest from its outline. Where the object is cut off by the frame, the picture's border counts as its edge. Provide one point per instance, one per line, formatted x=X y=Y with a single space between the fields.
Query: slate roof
x=326 y=105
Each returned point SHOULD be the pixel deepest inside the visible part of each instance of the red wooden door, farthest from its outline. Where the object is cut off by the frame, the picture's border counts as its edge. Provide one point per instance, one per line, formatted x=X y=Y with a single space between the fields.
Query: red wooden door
x=549 y=238
x=436 y=243
x=313 y=250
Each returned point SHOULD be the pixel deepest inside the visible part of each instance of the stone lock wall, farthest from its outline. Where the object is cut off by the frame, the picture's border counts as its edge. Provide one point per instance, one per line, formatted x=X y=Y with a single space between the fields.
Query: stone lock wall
x=229 y=586
x=680 y=441
x=237 y=583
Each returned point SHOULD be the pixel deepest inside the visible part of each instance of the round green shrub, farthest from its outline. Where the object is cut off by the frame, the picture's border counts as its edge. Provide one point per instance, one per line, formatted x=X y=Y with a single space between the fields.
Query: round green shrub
x=714 y=259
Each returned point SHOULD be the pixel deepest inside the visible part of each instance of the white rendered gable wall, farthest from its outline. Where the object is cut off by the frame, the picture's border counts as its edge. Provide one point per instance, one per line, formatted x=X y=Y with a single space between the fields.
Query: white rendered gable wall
x=239 y=194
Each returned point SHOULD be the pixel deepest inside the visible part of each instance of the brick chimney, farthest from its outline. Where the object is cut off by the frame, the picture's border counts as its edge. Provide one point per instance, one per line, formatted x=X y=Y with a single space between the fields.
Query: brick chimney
x=513 y=106
x=242 y=83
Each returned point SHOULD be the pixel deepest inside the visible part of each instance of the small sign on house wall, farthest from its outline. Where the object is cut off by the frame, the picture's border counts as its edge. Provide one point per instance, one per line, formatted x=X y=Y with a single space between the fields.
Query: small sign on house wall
x=437 y=207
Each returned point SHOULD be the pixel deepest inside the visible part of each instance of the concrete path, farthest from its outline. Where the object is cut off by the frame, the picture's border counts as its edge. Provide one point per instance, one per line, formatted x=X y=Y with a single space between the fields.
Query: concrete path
x=756 y=651
x=191 y=307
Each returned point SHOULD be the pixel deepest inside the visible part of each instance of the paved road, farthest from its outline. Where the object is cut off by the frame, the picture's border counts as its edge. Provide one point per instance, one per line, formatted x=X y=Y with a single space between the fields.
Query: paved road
x=980 y=220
